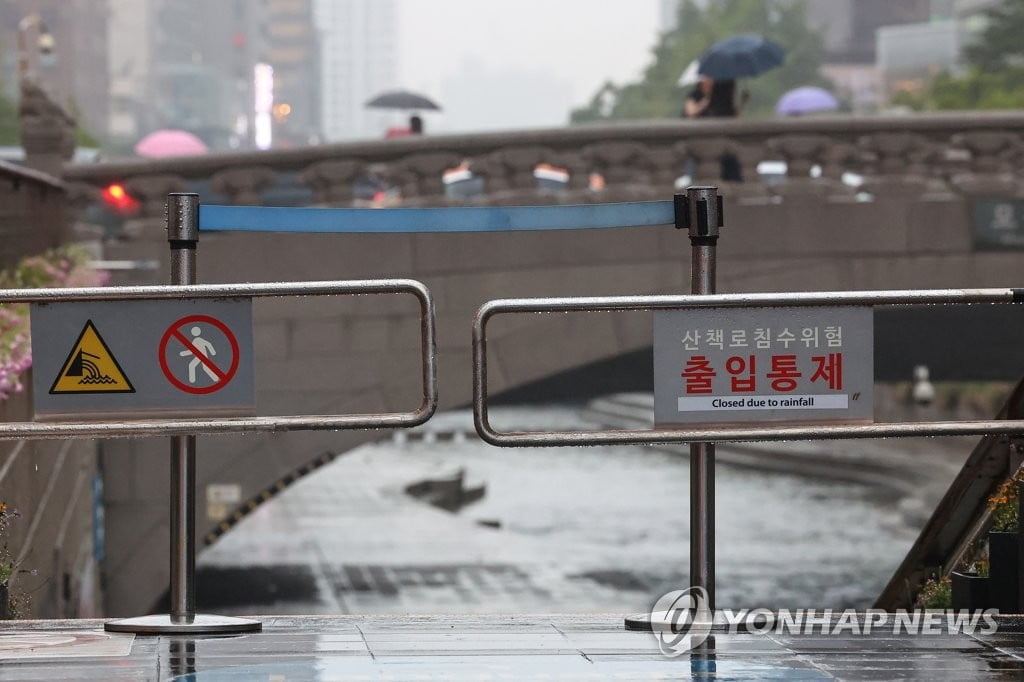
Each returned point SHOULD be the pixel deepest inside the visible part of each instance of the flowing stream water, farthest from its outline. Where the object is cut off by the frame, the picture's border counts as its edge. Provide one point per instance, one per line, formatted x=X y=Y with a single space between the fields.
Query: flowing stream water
x=558 y=530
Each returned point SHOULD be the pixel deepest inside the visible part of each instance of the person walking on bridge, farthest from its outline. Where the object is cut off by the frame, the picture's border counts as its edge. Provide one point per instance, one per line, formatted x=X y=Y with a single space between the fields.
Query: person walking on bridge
x=712 y=98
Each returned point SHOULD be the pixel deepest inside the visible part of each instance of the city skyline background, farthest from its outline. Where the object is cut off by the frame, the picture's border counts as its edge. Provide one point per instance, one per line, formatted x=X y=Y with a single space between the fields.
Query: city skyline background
x=128 y=68
x=523 y=64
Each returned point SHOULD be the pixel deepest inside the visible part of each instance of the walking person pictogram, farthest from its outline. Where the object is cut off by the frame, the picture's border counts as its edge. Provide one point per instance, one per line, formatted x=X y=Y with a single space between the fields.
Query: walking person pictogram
x=204 y=347
x=205 y=341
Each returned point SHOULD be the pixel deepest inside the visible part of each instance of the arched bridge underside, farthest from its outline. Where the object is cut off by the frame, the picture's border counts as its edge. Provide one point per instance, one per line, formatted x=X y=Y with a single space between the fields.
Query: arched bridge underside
x=361 y=355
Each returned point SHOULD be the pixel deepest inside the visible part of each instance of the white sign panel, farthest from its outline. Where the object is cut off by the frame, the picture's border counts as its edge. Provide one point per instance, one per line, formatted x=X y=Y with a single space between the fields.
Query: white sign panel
x=744 y=365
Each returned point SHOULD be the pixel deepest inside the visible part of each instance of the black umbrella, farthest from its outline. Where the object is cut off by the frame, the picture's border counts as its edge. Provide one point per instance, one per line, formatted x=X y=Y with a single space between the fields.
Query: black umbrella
x=739 y=56
x=402 y=99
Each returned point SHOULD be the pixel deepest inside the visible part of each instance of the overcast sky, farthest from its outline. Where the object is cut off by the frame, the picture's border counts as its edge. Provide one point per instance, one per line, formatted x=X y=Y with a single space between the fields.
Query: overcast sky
x=496 y=64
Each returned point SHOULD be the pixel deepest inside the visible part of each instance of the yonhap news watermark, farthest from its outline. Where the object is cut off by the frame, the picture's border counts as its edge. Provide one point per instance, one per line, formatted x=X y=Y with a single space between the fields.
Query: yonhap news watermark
x=681 y=622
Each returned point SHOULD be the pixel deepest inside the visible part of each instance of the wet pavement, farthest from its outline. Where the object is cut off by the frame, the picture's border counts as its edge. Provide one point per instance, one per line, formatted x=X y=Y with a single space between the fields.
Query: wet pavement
x=565 y=648
x=579 y=530
x=592 y=531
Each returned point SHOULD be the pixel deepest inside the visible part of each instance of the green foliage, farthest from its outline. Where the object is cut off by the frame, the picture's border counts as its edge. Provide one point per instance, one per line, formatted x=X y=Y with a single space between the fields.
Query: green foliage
x=1004 y=505
x=976 y=90
x=999 y=46
x=937 y=593
x=10 y=135
x=8 y=122
x=995 y=79
x=84 y=139
x=6 y=563
x=17 y=602
x=62 y=267
x=82 y=136
x=658 y=95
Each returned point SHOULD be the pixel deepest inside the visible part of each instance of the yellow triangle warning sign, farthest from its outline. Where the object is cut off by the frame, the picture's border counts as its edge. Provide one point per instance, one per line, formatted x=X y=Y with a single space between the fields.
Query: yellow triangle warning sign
x=91 y=367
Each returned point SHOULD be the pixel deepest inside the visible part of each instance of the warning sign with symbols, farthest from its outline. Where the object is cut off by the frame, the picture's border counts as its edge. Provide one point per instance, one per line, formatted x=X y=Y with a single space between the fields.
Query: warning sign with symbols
x=91 y=367
x=175 y=358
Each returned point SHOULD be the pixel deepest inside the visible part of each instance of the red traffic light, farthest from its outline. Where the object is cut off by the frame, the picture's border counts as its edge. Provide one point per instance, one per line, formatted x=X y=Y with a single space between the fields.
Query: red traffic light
x=117 y=198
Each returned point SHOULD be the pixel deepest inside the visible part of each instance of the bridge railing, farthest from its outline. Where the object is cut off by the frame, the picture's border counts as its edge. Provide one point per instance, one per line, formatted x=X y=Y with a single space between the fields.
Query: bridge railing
x=911 y=155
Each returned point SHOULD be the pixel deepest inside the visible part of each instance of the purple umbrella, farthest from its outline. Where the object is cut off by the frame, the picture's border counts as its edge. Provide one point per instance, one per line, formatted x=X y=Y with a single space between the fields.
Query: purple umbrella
x=806 y=100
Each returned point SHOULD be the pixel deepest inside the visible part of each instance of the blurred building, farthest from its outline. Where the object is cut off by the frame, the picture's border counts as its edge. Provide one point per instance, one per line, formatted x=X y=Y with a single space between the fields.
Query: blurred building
x=233 y=42
x=206 y=67
x=184 y=64
x=910 y=55
x=358 y=59
x=293 y=50
x=848 y=26
x=76 y=72
x=849 y=29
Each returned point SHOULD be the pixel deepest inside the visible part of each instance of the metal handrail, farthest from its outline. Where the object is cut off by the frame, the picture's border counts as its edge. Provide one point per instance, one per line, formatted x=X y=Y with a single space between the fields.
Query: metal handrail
x=726 y=434
x=168 y=427
x=961 y=515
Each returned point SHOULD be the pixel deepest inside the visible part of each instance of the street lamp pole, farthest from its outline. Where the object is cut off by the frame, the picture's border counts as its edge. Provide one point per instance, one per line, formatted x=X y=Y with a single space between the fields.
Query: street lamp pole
x=44 y=43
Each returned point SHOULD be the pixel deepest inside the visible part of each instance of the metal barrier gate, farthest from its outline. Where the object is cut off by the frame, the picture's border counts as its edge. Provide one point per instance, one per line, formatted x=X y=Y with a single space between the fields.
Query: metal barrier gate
x=700 y=213
x=84 y=373
x=185 y=219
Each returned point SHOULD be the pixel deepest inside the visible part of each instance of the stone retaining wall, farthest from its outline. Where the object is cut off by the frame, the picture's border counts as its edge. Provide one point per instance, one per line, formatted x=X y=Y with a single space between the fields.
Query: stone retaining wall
x=53 y=487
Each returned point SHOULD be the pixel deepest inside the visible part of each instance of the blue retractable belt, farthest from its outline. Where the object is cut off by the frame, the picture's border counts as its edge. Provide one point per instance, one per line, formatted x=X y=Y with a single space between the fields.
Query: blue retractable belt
x=468 y=219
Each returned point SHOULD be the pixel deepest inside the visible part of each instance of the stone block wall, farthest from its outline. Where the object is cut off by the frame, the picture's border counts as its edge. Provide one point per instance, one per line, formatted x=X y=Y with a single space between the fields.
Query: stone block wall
x=56 y=535
x=32 y=213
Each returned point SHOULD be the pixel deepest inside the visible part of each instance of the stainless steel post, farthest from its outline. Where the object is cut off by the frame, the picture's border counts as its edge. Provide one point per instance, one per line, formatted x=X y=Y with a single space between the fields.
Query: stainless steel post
x=703 y=219
x=699 y=211
x=183 y=236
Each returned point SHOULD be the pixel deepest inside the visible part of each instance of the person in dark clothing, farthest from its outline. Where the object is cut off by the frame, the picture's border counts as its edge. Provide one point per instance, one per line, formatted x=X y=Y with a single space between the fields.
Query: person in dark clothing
x=717 y=99
x=711 y=98
x=415 y=125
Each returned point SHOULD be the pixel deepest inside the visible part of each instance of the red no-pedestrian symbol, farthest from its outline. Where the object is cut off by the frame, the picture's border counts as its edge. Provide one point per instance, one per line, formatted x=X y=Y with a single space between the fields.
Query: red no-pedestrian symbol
x=199 y=354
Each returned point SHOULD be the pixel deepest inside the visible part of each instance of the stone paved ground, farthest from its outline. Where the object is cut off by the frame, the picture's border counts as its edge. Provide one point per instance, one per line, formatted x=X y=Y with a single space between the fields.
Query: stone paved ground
x=520 y=649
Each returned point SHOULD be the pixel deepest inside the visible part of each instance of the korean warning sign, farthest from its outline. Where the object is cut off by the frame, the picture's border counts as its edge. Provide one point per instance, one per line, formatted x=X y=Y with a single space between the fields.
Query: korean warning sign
x=744 y=365
x=181 y=358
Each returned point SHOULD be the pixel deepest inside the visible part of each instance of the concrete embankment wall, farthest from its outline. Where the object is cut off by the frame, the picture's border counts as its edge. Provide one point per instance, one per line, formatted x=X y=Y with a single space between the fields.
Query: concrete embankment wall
x=329 y=356
x=49 y=489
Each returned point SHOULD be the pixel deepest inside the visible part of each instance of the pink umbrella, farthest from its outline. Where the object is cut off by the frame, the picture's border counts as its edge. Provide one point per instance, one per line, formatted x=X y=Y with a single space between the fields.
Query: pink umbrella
x=170 y=143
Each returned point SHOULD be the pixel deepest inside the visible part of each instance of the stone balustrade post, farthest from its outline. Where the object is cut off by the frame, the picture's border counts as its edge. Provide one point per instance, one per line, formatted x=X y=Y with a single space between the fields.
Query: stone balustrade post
x=420 y=175
x=891 y=162
x=242 y=186
x=332 y=181
x=991 y=162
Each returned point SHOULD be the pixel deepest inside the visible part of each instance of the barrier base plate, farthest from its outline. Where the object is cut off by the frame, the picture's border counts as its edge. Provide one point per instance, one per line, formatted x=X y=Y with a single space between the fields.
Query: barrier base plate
x=200 y=624
x=657 y=622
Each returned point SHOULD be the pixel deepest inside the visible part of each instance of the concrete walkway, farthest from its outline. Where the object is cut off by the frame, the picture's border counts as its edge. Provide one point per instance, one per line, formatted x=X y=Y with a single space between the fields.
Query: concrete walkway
x=564 y=648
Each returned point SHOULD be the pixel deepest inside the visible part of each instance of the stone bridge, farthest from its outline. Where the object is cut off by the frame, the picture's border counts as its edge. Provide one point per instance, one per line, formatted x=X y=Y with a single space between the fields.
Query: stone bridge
x=906 y=226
